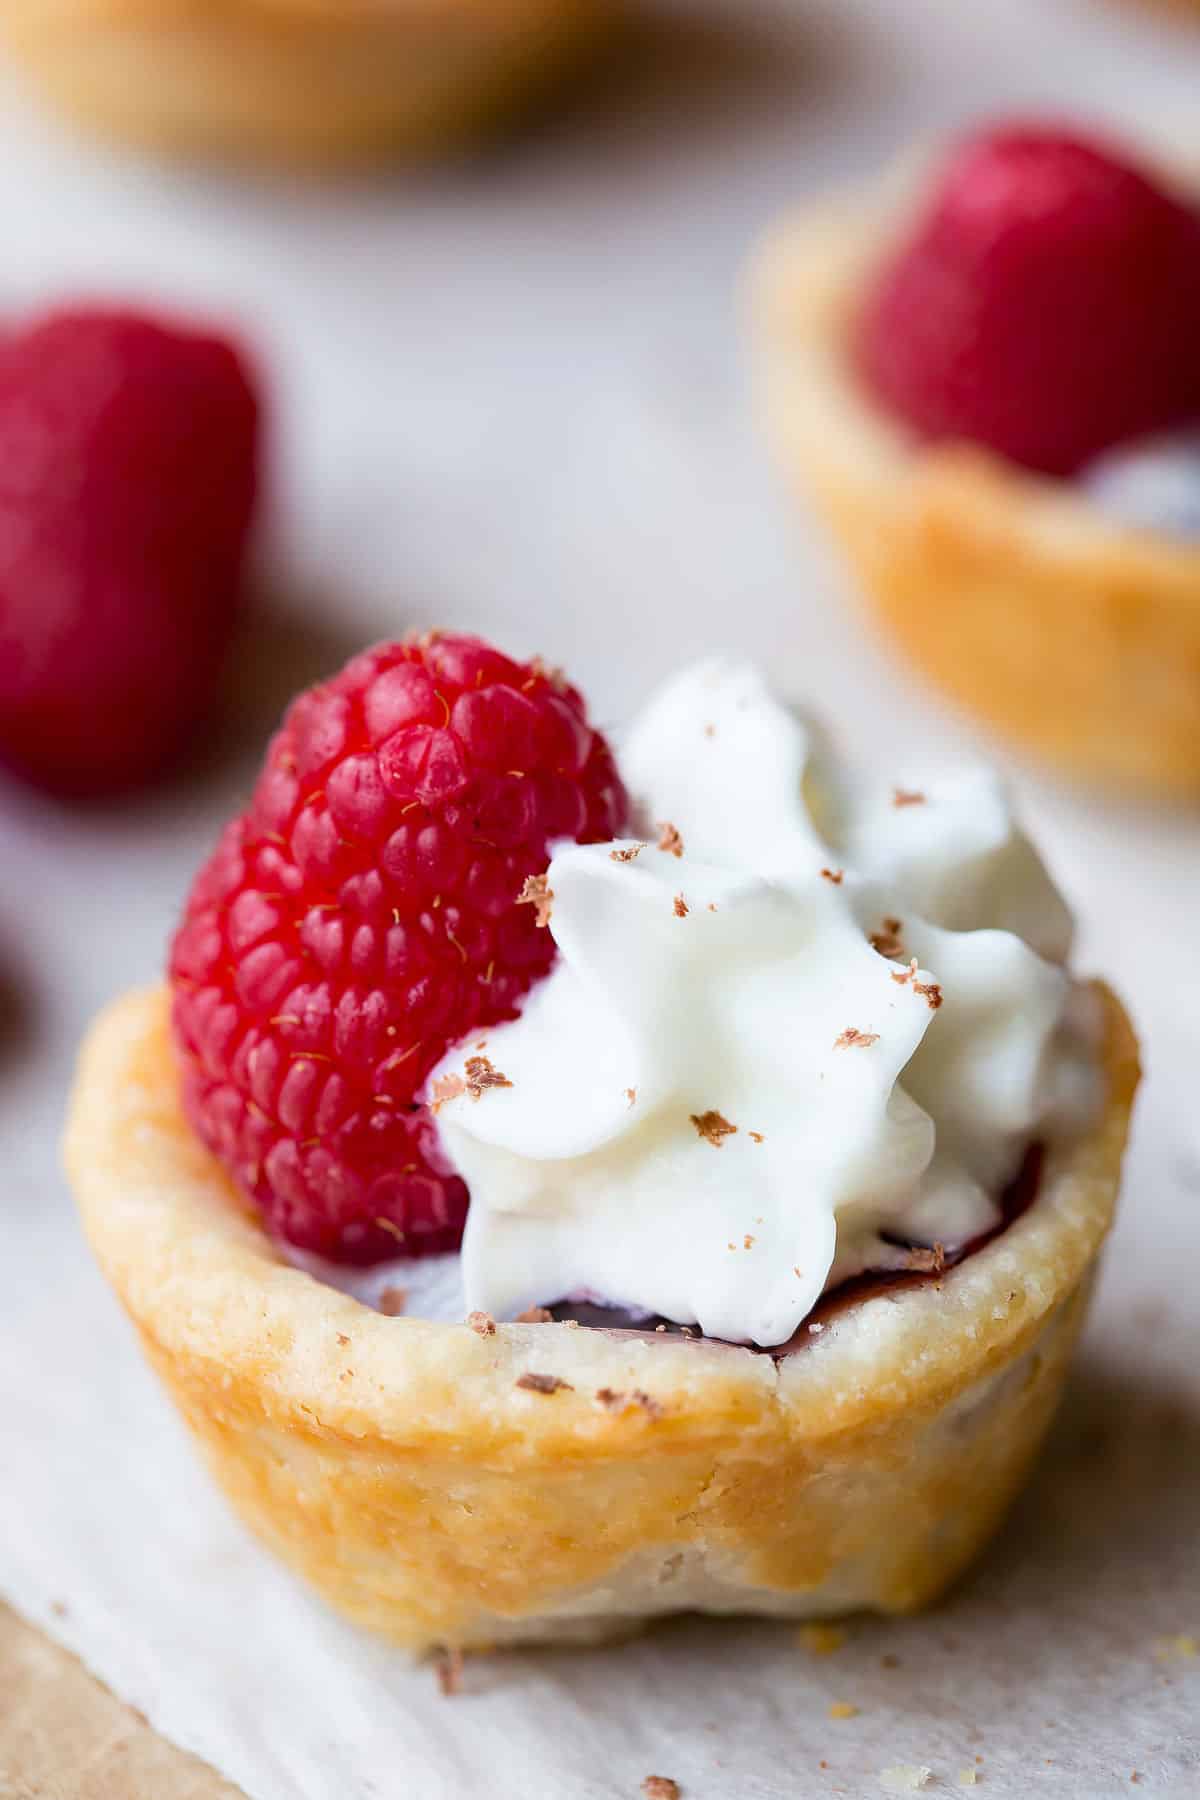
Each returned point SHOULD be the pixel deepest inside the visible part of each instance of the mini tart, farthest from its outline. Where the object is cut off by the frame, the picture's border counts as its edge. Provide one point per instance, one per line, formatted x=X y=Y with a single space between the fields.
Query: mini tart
x=402 y=1468
x=298 y=82
x=1073 y=636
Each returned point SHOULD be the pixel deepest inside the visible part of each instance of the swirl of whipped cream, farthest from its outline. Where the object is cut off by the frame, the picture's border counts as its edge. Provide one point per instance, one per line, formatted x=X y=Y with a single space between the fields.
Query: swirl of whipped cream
x=816 y=1022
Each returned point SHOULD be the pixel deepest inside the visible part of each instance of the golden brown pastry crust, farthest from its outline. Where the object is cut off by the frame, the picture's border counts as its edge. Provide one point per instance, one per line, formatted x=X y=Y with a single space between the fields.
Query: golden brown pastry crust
x=401 y=1467
x=1072 y=635
x=299 y=82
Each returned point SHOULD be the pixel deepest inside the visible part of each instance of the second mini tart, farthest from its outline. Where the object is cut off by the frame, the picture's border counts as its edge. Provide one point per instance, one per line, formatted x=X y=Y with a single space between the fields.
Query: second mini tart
x=309 y=83
x=1072 y=635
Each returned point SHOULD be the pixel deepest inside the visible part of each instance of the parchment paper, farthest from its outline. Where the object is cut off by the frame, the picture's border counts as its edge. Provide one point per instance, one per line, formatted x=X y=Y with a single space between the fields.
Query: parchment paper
x=510 y=397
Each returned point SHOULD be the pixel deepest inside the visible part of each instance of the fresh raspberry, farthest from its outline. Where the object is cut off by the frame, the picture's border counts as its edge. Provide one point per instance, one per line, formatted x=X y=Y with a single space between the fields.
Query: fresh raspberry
x=361 y=916
x=1048 y=304
x=128 y=453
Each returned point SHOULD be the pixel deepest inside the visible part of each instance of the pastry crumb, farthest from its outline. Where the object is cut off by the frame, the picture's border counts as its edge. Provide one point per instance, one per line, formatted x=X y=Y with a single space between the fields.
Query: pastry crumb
x=542 y=1384
x=392 y=1301
x=905 y=1778
x=661 y=1787
x=843 y=1709
x=909 y=974
x=756 y=1137
x=837 y=876
x=907 y=797
x=931 y=991
x=712 y=1126
x=615 y=1400
x=852 y=1038
x=446 y=1087
x=535 y=1315
x=449 y=1666
x=538 y=893
x=682 y=909
x=631 y=1096
x=822 y=1639
x=482 y=1323
x=481 y=1076
x=669 y=839
x=887 y=939
x=628 y=854
x=342 y=1338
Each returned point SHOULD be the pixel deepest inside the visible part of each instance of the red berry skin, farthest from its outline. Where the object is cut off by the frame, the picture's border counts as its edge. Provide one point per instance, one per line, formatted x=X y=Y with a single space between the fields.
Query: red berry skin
x=1047 y=305
x=361 y=916
x=128 y=475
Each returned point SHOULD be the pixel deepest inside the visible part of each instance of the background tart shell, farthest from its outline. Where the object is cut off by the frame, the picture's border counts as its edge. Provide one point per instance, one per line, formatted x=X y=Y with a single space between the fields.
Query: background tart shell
x=399 y=1465
x=1071 y=635
x=305 y=83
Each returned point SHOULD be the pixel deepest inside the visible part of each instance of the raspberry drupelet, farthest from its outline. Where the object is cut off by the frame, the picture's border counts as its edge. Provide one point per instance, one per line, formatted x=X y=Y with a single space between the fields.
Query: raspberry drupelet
x=361 y=916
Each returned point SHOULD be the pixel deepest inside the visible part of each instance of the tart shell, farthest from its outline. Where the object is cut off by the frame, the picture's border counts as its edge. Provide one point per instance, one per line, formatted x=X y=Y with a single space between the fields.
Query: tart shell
x=298 y=82
x=401 y=1466
x=1071 y=635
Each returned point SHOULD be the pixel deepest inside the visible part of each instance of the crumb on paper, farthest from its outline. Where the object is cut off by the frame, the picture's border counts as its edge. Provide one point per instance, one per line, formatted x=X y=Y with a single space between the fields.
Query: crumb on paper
x=446 y=1087
x=535 y=1315
x=756 y=1137
x=661 y=1787
x=837 y=876
x=482 y=1324
x=542 y=1384
x=631 y=1096
x=449 y=1666
x=905 y=1778
x=538 y=893
x=481 y=1076
x=748 y=1241
x=929 y=1261
x=712 y=1126
x=854 y=1039
x=842 y=1709
x=392 y=1301
x=822 y=1639
x=669 y=839
x=628 y=854
x=907 y=797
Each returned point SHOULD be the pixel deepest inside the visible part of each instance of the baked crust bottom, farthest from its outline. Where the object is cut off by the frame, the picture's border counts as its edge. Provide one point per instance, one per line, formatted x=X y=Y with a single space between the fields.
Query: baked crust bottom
x=398 y=1465
x=1071 y=635
x=301 y=83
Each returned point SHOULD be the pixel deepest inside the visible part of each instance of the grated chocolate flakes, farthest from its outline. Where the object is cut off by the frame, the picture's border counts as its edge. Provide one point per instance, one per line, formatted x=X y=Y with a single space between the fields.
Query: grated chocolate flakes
x=446 y=1087
x=712 y=1126
x=669 y=839
x=834 y=875
x=682 y=909
x=887 y=939
x=481 y=1076
x=542 y=1384
x=931 y=991
x=538 y=893
x=907 y=797
x=627 y=855
x=482 y=1323
x=852 y=1038
x=614 y=1400
x=631 y=1096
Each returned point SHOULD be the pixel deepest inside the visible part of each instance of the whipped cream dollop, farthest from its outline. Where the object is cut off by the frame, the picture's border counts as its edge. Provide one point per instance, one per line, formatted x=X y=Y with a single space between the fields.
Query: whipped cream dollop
x=798 y=1024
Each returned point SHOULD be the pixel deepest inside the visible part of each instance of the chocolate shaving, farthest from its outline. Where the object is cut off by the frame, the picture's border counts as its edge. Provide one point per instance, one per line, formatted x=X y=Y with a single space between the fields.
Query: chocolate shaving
x=615 y=1401
x=660 y=1787
x=756 y=1137
x=482 y=1323
x=909 y=974
x=852 y=1038
x=712 y=1126
x=446 y=1087
x=682 y=909
x=631 y=1095
x=481 y=1076
x=747 y=1242
x=907 y=797
x=887 y=939
x=834 y=875
x=932 y=992
x=542 y=1384
x=392 y=1301
x=538 y=893
x=449 y=1666
x=535 y=1315
x=928 y=1261
x=669 y=839
x=628 y=854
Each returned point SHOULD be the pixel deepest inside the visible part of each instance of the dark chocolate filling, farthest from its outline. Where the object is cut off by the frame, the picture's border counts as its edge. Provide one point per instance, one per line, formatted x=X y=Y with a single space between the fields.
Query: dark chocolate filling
x=1016 y=1199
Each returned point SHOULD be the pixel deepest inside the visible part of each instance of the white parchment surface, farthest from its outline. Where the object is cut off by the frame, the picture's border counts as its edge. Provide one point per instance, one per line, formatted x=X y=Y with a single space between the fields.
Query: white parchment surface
x=510 y=398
